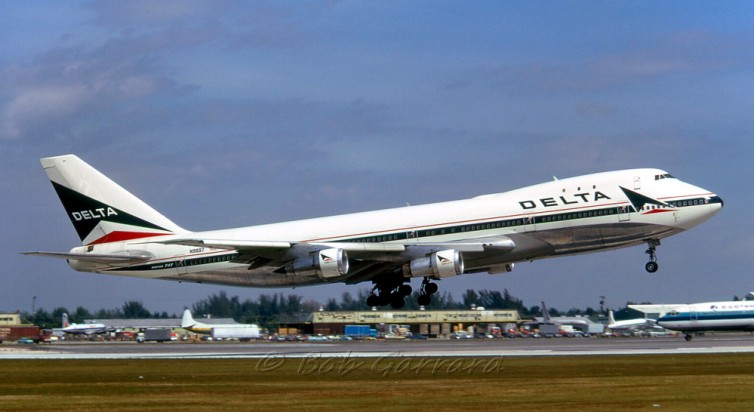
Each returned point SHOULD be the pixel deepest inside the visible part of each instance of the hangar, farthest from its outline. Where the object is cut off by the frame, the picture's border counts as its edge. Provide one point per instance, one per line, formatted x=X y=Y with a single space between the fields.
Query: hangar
x=430 y=323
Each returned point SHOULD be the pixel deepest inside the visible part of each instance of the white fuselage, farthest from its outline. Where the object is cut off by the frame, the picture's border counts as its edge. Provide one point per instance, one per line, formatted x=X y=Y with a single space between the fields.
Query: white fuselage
x=568 y=216
x=710 y=316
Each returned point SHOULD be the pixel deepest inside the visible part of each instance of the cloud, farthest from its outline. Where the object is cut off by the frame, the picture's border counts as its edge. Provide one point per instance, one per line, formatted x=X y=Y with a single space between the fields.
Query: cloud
x=67 y=88
x=145 y=13
x=33 y=104
x=679 y=54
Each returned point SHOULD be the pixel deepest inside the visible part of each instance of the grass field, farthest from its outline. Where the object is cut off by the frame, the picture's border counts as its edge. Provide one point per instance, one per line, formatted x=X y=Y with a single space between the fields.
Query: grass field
x=657 y=382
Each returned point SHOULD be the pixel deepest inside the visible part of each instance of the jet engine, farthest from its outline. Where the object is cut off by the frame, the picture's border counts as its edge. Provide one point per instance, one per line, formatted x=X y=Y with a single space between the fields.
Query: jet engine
x=326 y=263
x=442 y=264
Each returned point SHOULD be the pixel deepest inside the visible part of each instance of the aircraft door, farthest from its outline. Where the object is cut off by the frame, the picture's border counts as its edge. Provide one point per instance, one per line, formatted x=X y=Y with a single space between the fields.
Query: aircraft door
x=180 y=265
x=624 y=213
x=529 y=224
x=412 y=236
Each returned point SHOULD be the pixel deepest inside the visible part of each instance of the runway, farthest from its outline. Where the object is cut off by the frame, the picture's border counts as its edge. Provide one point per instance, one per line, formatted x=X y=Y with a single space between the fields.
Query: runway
x=720 y=343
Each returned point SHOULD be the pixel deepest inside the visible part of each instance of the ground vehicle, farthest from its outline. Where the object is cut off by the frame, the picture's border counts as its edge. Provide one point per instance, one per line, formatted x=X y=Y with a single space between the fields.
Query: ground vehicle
x=359 y=331
x=16 y=333
x=155 y=335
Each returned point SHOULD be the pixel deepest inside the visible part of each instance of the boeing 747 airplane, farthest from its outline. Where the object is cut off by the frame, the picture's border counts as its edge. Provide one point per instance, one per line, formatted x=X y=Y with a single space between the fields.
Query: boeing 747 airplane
x=122 y=235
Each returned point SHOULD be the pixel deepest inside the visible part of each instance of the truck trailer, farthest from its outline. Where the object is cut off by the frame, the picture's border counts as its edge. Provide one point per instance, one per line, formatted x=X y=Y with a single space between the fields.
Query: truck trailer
x=240 y=333
x=155 y=335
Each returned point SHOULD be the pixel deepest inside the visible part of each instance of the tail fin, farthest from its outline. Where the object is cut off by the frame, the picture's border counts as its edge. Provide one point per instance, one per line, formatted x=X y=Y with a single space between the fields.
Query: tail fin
x=65 y=321
x=187 y=320
x=611 y=318
x=100 y=209
x=545 y=313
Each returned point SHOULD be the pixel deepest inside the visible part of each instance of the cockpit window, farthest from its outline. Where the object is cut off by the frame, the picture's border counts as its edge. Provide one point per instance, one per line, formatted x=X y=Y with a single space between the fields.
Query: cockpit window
x=664 y=176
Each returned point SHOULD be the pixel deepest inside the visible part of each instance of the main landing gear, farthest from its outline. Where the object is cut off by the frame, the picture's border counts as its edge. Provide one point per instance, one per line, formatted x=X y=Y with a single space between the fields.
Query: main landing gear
x=426 y=291
x=652 y=265
x=393 y=291
x=390 y=290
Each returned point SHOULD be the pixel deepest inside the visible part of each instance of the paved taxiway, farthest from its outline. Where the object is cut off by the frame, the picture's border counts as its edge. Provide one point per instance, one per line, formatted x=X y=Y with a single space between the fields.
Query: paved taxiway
x=721 y=343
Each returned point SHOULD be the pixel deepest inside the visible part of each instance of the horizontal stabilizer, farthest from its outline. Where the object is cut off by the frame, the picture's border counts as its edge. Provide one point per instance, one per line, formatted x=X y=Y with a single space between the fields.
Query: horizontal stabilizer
x=660 y=309
x=110 y=259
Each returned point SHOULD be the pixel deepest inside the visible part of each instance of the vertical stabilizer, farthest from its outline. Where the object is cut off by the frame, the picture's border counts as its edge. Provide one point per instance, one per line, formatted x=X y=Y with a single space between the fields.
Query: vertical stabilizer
x=187 y=320
x=100 y=209
x=545 y=313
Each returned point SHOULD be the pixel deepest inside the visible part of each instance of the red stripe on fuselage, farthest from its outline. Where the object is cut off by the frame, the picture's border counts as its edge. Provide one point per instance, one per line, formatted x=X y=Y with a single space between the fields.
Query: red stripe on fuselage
x=651 y=212
x=118 y=236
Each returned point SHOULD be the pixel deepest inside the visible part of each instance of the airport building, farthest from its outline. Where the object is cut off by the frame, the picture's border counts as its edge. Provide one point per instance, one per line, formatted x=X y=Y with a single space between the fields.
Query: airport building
x=429 y=323
x=8 y=319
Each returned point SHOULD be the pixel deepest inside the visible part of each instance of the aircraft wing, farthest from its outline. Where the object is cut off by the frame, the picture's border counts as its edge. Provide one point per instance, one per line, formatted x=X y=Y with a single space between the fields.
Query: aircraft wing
x=358 y=250
x=110 y=259
x=368 y=260
x=229 y=244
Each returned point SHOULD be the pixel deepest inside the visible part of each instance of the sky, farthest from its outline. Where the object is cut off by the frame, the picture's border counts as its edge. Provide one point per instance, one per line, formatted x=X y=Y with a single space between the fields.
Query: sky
x=230 y=113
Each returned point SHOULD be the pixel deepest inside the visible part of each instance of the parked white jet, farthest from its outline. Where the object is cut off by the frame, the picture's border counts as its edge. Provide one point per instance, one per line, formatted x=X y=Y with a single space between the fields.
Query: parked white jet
x=188 y=323
x=122 y=235
x=708 y=316
x=82 y=328
x=636 y=323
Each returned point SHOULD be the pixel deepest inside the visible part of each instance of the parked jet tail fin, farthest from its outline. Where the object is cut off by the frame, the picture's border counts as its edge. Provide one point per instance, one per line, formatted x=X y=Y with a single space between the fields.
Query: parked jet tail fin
x=100 y=209
x=545 y=313
x=611 y=317
x=187 y=320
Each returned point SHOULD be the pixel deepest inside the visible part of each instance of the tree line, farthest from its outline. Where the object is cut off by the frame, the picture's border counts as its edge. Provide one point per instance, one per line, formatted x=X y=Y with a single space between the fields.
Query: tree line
x=267 y=310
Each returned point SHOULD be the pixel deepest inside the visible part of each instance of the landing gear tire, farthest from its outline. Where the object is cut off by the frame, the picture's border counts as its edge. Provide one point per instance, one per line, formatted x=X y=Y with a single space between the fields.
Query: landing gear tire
x=651 y=267
x=389 y=290
x=405 y=289
x=397 y=301
x=373 y=300
x=425 y=292
x=688 y=338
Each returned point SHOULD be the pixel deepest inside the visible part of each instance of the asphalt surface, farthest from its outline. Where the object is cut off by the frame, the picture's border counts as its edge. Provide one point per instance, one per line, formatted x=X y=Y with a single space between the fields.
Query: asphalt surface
x=719 y=343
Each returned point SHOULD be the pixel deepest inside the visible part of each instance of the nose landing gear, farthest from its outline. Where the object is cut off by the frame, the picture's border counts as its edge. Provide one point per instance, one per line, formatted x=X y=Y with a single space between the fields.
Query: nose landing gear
x=652 y=265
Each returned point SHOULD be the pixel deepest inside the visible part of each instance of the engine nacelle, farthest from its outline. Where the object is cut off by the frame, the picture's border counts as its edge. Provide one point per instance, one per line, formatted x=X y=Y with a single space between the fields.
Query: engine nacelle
x=442 y=264
x=326 y=263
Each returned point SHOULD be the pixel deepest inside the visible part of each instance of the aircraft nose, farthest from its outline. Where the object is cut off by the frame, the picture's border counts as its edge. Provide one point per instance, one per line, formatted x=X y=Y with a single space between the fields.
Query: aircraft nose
x=717 y=199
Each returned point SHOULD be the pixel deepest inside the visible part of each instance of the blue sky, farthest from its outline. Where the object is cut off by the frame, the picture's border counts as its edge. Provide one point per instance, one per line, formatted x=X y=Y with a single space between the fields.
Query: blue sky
x=225 y=114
